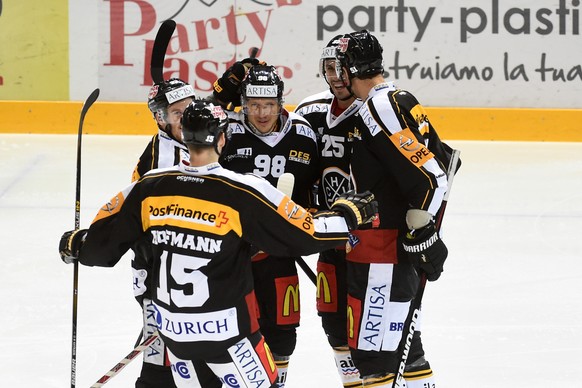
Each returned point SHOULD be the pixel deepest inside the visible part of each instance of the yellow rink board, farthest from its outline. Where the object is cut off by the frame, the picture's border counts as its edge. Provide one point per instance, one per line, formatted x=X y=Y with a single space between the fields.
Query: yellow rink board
x=110 y=118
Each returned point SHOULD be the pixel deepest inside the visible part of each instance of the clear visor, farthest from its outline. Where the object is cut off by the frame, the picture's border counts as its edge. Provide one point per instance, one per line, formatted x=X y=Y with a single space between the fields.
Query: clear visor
x=261 y=106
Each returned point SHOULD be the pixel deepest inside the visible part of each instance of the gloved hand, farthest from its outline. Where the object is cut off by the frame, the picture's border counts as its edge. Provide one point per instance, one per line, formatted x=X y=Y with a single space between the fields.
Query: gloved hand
x=356 y=208
x=426 y=250
x=70 y=245
x=226 y=89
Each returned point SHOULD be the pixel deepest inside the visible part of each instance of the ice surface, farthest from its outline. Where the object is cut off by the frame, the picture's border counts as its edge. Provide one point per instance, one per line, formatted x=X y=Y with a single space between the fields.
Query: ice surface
x=506 y=313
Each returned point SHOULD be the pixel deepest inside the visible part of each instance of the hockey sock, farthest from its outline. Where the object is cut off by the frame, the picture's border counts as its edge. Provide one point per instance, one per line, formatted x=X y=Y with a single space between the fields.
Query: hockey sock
x=282 y=363
x=348 y=373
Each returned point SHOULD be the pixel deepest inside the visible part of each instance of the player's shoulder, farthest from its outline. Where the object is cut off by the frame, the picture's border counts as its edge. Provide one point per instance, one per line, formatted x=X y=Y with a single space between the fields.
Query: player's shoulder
x=252 y=184
x=300 y=125
x=316 y=103
x=236 y=123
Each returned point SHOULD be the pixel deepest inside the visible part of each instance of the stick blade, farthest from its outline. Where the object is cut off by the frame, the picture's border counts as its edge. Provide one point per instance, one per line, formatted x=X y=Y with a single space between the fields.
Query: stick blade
x=161 y=43
x=286 y=183
x=86 y=105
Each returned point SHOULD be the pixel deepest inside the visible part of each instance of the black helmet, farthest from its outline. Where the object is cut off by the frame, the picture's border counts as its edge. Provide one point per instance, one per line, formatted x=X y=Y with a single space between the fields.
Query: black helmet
x=262 y=81
x=202 y=123
x=168 y=92
x=360 y=53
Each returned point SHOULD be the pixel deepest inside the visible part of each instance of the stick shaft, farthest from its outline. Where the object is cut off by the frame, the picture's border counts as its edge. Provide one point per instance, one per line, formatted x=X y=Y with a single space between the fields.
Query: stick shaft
x=414 y=311
x=88 y=103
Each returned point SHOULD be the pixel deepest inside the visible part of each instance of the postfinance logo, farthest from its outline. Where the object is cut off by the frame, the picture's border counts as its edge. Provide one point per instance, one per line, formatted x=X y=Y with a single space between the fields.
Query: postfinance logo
x=190 y=213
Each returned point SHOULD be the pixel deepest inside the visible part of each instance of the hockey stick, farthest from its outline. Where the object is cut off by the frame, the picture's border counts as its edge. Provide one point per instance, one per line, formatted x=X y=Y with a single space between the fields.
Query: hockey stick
x=414 y=312
x=126 y=360
x=88 y=103
x=161 y=43
x=285 y=184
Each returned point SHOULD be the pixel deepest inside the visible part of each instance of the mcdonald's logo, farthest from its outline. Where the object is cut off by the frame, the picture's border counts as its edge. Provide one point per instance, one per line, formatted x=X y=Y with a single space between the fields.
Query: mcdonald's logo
x=323 y=287
x=288 y=300
x=327 y=295
x=354 y=315
x=291 y=301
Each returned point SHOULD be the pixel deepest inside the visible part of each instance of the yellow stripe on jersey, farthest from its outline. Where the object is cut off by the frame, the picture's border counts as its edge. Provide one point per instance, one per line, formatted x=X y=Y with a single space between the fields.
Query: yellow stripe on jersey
x=407 y=144
x=190 y=213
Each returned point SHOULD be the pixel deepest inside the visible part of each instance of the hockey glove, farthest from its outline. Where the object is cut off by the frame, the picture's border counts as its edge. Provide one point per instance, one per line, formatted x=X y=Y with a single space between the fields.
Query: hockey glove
x=226 y=89
x=70 y=244
x=426 y=250
x=356 y=208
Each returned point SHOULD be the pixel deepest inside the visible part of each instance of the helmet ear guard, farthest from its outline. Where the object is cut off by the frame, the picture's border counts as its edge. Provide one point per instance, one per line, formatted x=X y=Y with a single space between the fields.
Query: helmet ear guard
x=202 y=123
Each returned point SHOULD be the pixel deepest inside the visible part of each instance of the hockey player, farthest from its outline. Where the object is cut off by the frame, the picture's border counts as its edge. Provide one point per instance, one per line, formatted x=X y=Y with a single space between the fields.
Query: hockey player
x=167 y=101
x=332 y=115
x=394 y=161
x=268 y=141
x=201 y=220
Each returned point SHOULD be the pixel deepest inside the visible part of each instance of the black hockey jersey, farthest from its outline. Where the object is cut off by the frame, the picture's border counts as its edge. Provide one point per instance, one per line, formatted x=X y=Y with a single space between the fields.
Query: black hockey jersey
x=201 y=222
x=335 y=135
x=162 y=151
x=392 y=159
x=292 y=149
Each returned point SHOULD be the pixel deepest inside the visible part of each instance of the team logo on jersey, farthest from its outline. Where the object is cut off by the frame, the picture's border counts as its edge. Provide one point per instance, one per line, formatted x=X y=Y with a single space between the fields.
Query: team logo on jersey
x=334 y=183
x=355 y=135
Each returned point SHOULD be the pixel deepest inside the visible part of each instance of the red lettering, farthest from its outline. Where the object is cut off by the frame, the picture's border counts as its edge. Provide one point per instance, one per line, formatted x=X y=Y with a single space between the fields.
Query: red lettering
x=181 y=36
x=201 y=35
x=282 y=3
x=231 y=30
x=203 y=74
x=117 y=32
x=259 y=28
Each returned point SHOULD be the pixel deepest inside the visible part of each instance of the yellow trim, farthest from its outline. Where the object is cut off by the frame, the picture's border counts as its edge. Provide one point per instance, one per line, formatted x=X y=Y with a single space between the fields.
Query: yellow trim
x=132 y=118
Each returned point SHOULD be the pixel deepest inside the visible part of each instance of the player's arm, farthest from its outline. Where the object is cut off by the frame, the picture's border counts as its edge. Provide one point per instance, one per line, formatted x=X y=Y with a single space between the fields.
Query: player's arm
x=287 y=229
x=115 y=228
x=401 y=150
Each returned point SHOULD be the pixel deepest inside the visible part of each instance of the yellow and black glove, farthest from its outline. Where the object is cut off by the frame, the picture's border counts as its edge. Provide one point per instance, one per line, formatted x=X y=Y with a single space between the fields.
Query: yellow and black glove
x=356 y=208
x=70 y=244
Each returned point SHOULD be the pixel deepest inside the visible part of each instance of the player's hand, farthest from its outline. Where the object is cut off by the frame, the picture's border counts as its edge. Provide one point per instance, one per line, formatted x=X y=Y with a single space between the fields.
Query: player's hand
x=70 y=245
x=426 y=250
x=356 y=208
x=226 y=89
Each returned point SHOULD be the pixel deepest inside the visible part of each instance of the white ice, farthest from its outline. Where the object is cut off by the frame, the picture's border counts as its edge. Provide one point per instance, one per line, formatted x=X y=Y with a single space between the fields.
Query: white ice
x=507 y=312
